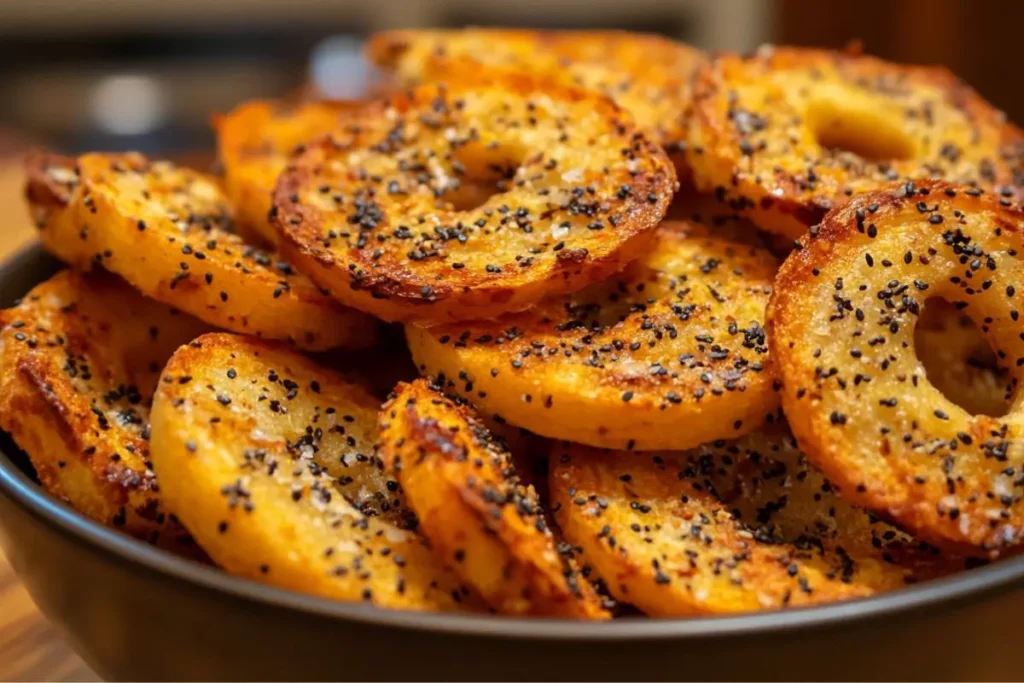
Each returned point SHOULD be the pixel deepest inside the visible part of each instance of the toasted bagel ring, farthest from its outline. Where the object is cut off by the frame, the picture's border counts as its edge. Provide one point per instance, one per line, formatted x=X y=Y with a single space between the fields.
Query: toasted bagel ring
x=842 y=321
x=765 y=127
x=648 y=75
x=79 y=360
x=264 y=456
x=958 y=360
x=365 y=213
x=479 y=517
x=668 y=354
x=732 y=526
x=254 y=142
x=166 y=231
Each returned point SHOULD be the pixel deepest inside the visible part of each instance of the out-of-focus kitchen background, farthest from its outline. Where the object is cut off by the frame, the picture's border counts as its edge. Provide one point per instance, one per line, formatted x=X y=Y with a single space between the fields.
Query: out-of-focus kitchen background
x=146 y=74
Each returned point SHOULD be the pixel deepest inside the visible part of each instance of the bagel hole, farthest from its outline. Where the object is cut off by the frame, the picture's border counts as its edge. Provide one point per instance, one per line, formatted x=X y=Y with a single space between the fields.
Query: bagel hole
x=843 y=127
x=483 y=172
x=472 y=194
x=959 y=361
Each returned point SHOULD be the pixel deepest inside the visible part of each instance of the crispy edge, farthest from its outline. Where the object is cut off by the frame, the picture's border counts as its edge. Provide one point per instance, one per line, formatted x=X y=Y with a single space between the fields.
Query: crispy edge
x=791 y=213
x=399 y=296
x=815 y=251
x=189 y=453
x=511 y=561
x=51 y=422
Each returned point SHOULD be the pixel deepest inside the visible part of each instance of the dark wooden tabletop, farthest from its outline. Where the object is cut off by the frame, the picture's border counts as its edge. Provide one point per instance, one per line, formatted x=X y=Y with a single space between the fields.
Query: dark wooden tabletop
x=32 y=649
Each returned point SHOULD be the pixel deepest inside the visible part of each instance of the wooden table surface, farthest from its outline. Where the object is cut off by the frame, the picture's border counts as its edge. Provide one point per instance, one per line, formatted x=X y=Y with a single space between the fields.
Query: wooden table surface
x=31 y=649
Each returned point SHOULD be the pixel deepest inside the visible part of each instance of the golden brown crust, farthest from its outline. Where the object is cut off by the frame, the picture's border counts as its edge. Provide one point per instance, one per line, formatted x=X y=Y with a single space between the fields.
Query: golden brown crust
x=79 y=360
x=266 y=457
x=166 y=230
x=733 y=526
x=254 y=142
x=841 y=324
x=647 y=75
x=479 y=517
x=791 y=132
x=669 y=353
x=367 y=212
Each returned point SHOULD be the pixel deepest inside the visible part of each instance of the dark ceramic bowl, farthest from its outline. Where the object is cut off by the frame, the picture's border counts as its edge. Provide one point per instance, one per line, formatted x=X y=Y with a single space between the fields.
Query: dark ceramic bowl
x=134 y=612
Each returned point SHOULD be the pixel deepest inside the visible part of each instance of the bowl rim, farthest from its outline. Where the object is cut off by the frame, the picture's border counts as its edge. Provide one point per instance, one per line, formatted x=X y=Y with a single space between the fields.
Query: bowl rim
x=959 y=588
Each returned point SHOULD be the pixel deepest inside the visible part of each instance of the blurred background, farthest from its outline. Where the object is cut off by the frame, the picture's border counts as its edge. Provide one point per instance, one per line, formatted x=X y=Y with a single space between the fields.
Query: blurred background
x=146 y=75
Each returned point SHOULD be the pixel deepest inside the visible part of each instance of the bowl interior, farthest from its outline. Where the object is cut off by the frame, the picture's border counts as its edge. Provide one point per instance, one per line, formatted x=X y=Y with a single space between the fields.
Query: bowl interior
x=18 y=482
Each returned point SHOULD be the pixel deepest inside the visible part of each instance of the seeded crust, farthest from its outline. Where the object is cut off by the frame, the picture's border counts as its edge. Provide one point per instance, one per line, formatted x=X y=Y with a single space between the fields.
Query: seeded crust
x=733 y=526
x=366 y=213
x=79 y=359
x=481 y=520
x=648 y=75
x=254 y=142
x=266 y=458
x=754 y=134
x=668 y=354
x=959 y=362
x=842 y=322
x=167 y=231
